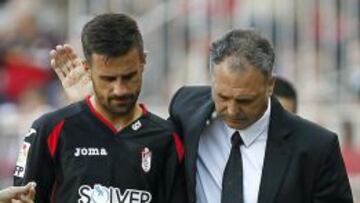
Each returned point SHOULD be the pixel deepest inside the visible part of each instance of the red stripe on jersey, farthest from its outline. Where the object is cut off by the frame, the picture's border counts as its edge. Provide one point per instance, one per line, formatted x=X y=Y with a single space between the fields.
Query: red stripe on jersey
x=179 y=147
x=53 y=139
x=100 y=117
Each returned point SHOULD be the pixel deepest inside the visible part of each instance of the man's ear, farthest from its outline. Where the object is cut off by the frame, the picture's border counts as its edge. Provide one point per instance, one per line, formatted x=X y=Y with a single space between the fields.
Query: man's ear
x=271 y=85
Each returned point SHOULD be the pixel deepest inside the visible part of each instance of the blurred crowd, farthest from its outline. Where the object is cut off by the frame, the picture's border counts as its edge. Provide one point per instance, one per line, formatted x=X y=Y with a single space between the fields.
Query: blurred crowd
x=317 y=43
x=27 y=84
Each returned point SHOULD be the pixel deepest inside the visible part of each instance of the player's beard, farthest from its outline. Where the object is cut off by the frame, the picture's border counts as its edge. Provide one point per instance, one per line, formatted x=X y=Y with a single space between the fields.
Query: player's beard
x=118 y=105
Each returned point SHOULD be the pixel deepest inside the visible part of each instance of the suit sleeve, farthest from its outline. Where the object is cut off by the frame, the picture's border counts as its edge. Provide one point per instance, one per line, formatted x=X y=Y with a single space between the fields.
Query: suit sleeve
x=332 y=184
x=35 y=163
x=173 y=118
x=175 y=178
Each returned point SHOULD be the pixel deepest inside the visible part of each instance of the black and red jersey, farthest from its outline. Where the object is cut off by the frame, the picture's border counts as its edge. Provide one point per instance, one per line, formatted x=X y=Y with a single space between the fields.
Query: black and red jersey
x=76 y=155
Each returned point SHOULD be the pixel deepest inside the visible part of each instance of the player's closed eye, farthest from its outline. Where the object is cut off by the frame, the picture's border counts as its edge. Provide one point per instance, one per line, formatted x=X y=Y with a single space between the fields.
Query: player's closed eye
x=108 y=78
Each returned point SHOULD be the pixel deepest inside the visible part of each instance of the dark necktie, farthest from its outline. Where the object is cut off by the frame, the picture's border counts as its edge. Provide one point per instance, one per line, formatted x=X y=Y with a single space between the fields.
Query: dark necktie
x=232 y=182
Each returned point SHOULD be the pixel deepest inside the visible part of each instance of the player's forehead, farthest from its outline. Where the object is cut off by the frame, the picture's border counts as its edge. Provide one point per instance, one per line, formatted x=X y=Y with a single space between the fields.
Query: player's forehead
x=122 y=65
x=131 y=57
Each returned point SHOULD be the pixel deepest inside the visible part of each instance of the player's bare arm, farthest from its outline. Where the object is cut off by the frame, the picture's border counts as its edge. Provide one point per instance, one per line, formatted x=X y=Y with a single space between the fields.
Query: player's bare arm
x=71 y=71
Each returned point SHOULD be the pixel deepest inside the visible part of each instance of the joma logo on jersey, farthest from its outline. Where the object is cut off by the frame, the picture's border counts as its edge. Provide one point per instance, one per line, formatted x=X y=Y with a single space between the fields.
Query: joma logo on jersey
x=90 y=151
x=102 y=194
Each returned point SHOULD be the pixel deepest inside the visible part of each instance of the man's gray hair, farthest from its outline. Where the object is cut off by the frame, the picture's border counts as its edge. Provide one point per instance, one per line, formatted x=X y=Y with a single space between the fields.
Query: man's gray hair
x=246 y=47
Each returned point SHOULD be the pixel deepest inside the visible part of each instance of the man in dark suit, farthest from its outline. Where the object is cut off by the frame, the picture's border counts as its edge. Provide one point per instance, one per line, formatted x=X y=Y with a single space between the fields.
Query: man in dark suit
x=241 y=146
x=284 y=158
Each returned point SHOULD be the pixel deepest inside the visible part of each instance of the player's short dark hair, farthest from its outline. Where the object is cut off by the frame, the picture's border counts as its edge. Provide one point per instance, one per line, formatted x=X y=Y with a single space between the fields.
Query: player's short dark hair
x=111 y=35
x=284 y=88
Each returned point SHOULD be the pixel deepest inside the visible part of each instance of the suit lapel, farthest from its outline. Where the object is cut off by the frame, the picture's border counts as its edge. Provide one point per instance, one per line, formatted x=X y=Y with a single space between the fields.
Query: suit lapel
x=277 y=155
x=197 y=122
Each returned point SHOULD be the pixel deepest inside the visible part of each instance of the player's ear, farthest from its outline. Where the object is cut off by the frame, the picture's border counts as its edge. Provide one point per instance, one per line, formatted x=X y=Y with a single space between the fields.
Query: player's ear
x=143 y=57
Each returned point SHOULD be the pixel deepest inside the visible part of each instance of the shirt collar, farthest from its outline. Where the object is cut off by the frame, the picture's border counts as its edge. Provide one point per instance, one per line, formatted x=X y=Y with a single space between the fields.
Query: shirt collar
x=253 y=132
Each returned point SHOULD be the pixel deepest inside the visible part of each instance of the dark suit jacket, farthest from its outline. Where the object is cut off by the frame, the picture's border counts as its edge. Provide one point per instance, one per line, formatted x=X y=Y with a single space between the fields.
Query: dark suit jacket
x=302 y=162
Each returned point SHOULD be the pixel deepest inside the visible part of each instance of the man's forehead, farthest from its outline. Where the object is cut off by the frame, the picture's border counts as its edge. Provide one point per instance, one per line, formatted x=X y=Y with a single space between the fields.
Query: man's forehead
x=239 y=93
x=238 y=65
x=235 y=62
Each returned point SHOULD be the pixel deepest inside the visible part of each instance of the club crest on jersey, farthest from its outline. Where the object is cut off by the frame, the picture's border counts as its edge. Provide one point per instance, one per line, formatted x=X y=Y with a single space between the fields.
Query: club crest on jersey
x=146 y=159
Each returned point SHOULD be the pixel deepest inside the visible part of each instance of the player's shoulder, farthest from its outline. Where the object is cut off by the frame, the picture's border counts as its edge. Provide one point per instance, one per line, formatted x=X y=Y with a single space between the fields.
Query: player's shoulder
x=51 y=119
x=156 y=121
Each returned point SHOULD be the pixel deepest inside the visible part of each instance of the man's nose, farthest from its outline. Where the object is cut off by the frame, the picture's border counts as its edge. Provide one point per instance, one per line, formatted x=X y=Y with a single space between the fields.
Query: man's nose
x=233 y=109
x=119 y=87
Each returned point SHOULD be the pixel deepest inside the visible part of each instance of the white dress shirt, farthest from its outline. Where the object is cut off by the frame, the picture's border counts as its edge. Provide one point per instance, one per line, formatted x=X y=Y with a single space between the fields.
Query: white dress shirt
x=213 y=153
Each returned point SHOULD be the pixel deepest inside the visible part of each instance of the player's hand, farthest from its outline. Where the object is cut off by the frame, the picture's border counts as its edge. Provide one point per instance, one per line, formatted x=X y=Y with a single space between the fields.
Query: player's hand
x=18 y=194
x=71 y=71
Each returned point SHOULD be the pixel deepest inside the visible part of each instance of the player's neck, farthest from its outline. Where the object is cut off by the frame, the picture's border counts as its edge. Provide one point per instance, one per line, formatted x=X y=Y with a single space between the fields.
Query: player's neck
x=118 y=122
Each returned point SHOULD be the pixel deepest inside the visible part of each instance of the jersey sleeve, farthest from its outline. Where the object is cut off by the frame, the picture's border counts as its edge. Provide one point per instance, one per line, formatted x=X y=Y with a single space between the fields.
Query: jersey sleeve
x=175 y=177
x=35 y=162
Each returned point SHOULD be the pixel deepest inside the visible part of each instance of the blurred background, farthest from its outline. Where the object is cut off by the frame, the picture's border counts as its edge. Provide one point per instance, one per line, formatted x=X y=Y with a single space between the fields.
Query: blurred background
x=317 y=44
